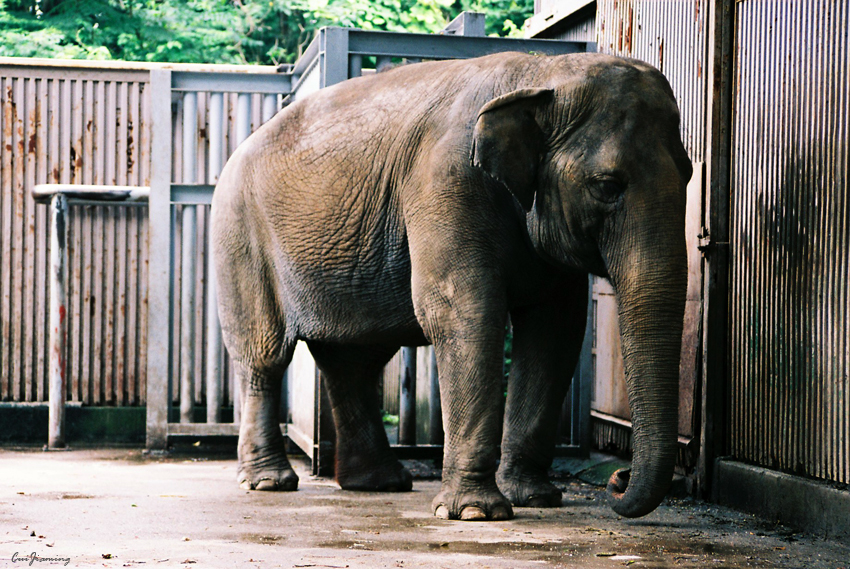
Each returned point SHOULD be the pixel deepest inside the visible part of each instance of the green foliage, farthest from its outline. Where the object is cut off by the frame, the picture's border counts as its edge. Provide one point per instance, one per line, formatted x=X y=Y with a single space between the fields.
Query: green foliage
x=220 y=31
x=390 y=419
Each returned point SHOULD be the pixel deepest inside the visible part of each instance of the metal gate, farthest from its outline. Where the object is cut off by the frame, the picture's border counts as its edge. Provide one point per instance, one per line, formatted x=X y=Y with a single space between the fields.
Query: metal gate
x=185 y=355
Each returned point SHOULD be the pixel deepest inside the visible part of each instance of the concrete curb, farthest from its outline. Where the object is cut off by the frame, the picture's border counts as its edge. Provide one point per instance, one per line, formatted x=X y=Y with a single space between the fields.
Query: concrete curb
x=798 y=502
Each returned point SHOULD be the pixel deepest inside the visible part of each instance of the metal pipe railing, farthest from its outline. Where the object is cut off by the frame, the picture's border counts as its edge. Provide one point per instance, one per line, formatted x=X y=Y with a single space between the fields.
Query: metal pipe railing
x=187 y=265
x=214 y=343
x=407 y=398
x=60 y=196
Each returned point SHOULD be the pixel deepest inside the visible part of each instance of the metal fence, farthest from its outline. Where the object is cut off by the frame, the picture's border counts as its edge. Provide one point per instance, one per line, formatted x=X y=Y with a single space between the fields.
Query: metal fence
x=789 y=299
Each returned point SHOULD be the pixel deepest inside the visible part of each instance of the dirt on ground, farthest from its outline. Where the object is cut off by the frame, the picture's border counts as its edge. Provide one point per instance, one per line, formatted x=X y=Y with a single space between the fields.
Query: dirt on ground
x=126 y=508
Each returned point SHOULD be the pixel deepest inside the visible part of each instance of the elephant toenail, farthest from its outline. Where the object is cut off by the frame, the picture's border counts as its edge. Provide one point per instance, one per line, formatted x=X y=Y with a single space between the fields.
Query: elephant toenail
x=267 y=484
x=442 y=512
x=473 y=513
x=537 y=502
x=502 y=514
x=246 y=485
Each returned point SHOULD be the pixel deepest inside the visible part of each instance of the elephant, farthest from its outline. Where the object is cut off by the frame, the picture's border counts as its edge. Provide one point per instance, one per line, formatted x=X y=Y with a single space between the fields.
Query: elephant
x=431 y=204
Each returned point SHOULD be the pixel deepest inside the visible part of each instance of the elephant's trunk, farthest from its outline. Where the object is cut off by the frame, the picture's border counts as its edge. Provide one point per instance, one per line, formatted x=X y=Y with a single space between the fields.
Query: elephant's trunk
x=650 y=279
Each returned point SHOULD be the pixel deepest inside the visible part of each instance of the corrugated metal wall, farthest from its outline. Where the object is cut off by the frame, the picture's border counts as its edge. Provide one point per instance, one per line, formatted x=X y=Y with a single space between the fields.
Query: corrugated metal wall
x=74 y=126
x=790 y=245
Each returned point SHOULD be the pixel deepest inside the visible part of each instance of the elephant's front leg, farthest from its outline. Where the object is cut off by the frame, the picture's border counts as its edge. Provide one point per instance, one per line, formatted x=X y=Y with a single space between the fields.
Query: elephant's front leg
x=546 y=346
x=468 y=333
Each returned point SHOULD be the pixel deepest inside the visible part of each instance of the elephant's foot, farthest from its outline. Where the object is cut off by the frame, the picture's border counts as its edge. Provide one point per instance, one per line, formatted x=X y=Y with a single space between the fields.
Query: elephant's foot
x=357 y=473
x=527 y=487
x=471 y=501
x=269 y=473
x=263 y=464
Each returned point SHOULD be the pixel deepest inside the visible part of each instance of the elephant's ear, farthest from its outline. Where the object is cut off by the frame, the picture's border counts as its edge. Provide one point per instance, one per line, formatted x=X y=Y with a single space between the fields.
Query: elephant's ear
x=508 y=141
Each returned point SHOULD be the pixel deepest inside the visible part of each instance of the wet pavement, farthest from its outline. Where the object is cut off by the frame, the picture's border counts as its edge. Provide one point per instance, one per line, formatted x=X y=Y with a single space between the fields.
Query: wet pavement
x=122 y=508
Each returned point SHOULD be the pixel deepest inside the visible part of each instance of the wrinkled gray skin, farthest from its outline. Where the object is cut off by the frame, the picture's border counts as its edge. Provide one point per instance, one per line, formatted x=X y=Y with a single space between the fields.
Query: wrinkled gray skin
x=425 y=205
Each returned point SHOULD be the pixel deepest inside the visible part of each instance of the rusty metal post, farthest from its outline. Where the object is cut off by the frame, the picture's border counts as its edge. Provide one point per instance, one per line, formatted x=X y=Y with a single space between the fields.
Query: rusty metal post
x=407 y=403
x=58 y=331
x=716 y=283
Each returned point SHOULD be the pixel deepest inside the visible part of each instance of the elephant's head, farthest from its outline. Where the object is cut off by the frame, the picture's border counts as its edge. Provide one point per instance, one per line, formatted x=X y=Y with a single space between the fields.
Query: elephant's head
x=593 y=154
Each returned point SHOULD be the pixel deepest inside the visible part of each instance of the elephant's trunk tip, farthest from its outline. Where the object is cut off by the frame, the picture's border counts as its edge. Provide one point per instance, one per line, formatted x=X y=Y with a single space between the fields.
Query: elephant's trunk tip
x=630 y=504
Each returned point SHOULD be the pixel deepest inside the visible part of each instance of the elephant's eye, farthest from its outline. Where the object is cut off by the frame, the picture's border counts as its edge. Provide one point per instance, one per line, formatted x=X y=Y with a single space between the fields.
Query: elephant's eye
x=607 y=189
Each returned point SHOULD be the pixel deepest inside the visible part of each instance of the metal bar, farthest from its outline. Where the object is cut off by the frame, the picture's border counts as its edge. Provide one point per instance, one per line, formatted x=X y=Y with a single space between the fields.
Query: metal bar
x=716 y=293
x=187 y=320
x=355 y=66
x=243 y=131
x=431 y=46
x=383 y=62
x=42 y=240
x=407 y=398
x=188 y=254
x=585 y=379
x=470 y=24
x=159 y=264
x=243 y=117
x=435 y=425
x=190 y=81
x=214 y=374
x=334 y=56
x=191 y=194
x=58 y=254
x=269 y=107
x=324 y=441
x=307 y=59
x=44 y=193
x=216 y=136
x=203 y=429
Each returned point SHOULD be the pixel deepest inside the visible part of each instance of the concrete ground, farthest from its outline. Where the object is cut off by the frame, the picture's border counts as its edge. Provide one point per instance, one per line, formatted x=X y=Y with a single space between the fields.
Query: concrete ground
x=123 y=508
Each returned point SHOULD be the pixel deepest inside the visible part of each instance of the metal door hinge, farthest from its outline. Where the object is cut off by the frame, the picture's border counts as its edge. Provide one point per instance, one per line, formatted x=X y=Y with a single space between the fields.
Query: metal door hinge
x=706 y=244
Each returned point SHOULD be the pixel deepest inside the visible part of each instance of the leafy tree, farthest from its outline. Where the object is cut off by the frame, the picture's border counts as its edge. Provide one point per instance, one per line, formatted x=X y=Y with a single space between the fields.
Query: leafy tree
x=220 y=31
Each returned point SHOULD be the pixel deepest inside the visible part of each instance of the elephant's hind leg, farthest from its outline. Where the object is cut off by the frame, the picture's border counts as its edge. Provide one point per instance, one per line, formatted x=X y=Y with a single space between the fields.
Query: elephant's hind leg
x=254 y=331
x=364 y=460
x=262 y=451
x=546 y=346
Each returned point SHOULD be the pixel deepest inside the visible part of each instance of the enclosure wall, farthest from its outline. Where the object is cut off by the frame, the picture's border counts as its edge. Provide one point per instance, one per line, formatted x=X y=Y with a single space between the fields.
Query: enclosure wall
x=90 y=124
x=789 y=399
x=74 y=126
